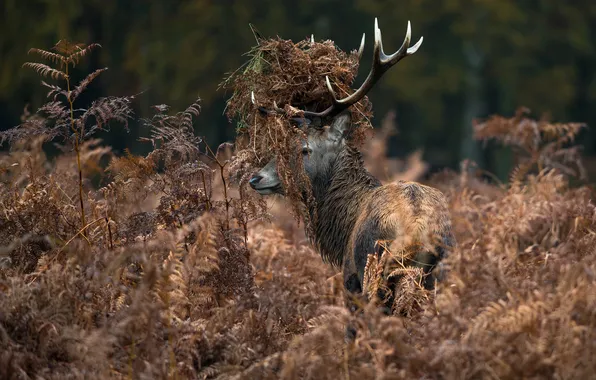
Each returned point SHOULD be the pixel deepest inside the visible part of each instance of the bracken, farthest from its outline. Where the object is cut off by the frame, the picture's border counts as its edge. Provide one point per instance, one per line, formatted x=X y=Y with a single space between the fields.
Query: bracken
x=189 y=279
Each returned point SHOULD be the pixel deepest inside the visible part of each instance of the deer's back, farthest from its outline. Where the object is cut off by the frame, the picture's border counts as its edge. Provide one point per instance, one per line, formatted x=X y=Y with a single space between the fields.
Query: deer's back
x=407 y=213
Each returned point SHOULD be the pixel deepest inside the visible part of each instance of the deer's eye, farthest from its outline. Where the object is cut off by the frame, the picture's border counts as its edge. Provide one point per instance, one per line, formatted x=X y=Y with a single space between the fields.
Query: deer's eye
x=306 y=151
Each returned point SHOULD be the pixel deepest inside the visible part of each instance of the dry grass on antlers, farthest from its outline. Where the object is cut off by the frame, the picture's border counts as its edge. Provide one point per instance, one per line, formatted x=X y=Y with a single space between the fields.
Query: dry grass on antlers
x=293 y=76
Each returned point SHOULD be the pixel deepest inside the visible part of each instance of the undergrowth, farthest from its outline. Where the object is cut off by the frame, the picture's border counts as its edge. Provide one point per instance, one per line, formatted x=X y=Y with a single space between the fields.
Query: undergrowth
x=177 y=271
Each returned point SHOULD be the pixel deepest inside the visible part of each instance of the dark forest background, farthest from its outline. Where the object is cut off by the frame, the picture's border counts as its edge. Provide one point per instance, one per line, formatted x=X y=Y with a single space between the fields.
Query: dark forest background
x=479 y=57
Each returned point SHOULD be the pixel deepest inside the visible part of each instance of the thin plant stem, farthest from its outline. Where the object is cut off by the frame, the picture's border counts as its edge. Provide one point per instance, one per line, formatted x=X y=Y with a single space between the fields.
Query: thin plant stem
x=225 y=186
x=77 y=150
x=109 y=232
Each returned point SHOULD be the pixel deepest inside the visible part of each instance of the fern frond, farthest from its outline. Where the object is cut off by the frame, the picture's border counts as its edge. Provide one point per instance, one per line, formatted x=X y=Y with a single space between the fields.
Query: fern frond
x=74 y=58
x=486 y=318
x=45 y=70
x=372 y=275
x=187 y=115
x=54 y=90
x=519 y=173
x=66 y=47
x=106 y=109
x=172 y=136
x=174 y=287
x=562 y=133
x=86 y=82
x=520 y=318
x=52 y=57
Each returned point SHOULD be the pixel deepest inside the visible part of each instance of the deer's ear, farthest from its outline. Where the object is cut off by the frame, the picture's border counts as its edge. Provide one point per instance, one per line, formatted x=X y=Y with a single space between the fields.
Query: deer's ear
x=341 y=124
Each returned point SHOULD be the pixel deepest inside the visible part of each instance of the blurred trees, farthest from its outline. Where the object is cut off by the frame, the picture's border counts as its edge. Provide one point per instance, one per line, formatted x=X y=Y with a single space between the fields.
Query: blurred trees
x=479 y=57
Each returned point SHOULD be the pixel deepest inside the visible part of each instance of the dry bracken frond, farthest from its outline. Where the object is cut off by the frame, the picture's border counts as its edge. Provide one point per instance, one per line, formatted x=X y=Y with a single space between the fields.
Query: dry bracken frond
x=54 y=90
x=106 y=109
x=45 y=70
x=85 y=83
x=52 y=57
x=66 y=47
x=75 y=52
x=541 y=142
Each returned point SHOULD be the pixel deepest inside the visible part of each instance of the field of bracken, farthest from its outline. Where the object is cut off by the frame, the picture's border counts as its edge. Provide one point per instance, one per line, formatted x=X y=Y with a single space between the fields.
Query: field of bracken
x=168 y=266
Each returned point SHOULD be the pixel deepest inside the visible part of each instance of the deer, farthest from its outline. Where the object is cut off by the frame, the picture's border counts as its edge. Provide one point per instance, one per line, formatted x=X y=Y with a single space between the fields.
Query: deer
x=355 y=211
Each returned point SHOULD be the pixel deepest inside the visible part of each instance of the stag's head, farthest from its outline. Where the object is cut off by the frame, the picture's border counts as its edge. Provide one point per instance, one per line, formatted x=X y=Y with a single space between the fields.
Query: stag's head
x=327 y=131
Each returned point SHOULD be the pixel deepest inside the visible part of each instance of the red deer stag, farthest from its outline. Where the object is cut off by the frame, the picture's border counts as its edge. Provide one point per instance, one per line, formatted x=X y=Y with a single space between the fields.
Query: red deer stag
x=354 y=210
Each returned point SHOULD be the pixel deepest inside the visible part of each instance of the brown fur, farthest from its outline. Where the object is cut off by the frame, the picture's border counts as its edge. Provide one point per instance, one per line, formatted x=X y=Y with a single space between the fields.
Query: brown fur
x=405 y=213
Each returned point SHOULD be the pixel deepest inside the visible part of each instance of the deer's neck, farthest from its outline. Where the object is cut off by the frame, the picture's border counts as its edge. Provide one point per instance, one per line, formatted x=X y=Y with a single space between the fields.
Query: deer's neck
x=339 y=196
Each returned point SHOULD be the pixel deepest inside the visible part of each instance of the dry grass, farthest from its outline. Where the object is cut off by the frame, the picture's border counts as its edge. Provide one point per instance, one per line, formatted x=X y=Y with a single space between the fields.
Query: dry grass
x=181 y=275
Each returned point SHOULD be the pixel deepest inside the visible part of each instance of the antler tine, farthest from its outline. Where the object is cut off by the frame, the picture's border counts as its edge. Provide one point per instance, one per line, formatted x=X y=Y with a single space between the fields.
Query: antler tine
x=381 y=63
x=403 y=51
x=275 y=110
x=361 y=48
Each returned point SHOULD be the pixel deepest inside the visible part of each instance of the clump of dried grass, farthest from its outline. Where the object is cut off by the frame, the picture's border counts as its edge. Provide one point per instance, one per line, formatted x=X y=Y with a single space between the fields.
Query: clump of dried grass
x=291 y=76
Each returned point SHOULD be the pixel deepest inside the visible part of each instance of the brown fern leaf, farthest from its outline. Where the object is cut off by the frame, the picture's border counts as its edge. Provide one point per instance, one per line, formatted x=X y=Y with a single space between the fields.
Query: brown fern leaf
x=521 y=318
x=410 y=295
x=485 y=319
x=542 y=143
x=187 y=115
x=54 y=90
x=373 y=275
x=51 y=121
x=54 y=111
x=52 y=57
x=80 y=52
x=34 y=127
x=106 y=109
x=45 y=70
x=518 y=174
x=172 y=136
x=86 y=82
x=562 y=133
x=173 y=290
x=67 y=47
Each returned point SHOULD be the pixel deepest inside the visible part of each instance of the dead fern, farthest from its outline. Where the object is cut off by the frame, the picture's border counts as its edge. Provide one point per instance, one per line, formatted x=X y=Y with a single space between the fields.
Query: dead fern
x=59 y=117
x=181 y=275
x=539 y=143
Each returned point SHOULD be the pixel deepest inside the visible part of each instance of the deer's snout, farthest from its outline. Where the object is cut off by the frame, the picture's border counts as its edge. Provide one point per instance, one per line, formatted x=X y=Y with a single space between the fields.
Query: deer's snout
x=255 y=180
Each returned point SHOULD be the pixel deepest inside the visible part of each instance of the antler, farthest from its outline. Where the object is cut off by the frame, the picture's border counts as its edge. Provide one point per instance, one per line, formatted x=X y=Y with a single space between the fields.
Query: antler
x=275 y=110
x=279 y=111
x=381 y=63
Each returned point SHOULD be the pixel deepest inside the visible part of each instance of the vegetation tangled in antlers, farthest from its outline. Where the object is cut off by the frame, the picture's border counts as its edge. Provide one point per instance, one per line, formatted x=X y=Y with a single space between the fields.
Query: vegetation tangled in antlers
x=290 y=75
